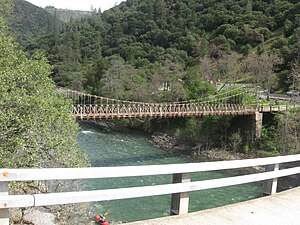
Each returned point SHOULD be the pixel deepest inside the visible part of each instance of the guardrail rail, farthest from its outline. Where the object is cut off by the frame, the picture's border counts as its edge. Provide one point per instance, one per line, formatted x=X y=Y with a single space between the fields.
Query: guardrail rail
x=179 y=189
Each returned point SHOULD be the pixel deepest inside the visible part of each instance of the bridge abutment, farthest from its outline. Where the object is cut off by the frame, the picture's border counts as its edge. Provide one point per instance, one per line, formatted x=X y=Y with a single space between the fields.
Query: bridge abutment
x=250 y=126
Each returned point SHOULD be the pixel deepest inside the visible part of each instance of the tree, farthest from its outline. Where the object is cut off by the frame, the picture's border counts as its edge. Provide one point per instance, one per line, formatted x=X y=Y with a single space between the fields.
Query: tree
x=6 y=7
x=36 y=128
x=295 y=75
x=263 y=68
x=294 y=42
x=233 y=33
x=195 y=85
x=94 y=72
x=167 y=82
x=229 y=67
x=208 y=69
x=119 y=80
x=287 y=134
x=235 y=141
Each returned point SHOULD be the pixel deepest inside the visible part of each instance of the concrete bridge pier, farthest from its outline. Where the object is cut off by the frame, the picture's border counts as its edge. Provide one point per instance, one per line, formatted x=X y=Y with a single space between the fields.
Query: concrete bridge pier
x=258 y=124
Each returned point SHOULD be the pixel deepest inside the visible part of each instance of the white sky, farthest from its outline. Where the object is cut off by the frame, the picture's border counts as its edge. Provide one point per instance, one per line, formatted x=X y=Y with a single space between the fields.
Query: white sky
x=76 y=4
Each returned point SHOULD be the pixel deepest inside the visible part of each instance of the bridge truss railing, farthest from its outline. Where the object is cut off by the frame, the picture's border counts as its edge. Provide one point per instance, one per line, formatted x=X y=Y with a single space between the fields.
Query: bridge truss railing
x=179 y=189
x=92 y=107
x=144 y=110
x=159 y=110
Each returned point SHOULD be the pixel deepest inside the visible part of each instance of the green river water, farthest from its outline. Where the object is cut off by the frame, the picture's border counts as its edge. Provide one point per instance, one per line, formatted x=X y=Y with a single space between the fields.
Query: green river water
x=134 y=148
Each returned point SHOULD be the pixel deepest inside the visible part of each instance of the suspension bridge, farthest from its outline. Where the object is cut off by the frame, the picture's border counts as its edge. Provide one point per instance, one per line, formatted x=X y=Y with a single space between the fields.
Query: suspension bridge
x=231 y=102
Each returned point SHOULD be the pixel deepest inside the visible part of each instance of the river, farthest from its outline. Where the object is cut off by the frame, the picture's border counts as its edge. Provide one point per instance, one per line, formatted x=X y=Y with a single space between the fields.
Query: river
x=134 y=148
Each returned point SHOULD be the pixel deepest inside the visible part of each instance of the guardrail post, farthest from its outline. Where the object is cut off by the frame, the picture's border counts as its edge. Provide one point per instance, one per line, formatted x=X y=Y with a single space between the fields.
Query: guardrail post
x=180 y=201
x=4 y=213
x=270 y=186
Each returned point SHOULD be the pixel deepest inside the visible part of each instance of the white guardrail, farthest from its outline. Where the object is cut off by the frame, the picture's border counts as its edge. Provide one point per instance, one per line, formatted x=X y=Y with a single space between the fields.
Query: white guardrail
x=179 y=189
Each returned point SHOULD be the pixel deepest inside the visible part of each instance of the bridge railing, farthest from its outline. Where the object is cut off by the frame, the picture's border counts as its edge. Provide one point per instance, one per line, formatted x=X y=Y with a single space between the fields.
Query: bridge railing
x=160 y=110
x=179 y=189
x=144 y=110
x=278 y=107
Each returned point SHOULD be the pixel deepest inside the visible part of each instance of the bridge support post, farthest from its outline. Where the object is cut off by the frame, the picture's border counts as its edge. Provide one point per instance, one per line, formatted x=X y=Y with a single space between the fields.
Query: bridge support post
x=258 y=120
x=270 y=186
x=4 y=213
x=180 y=201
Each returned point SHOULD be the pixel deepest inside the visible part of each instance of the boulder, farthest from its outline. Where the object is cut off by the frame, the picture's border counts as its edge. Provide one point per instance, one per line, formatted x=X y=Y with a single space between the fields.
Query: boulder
x=37 y=217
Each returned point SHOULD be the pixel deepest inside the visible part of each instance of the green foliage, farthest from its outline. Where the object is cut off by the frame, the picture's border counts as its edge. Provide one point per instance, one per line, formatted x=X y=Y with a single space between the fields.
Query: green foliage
x=246 y=149
x=249 y=99
x=151 y=32
x=190 y=132
x=267 y=140
x=205 y=132
x=235 y=142
x=119 y=79
x=282 y=137
x=36 y=128
x=29 y=22
x=287 y=133
x=5 y=7
x=199 y=89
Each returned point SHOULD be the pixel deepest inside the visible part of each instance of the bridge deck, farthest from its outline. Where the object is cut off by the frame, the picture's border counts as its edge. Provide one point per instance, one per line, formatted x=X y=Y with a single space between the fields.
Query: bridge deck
x=282 y=208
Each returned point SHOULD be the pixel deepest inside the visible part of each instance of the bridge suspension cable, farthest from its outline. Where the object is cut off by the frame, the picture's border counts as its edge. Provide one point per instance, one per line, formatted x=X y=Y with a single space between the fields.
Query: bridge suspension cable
x=230 y=102
x=233 y=96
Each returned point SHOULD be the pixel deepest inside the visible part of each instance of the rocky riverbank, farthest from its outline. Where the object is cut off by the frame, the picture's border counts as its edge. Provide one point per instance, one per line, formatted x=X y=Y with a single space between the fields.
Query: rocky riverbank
x=37 y=216
x=170 y=143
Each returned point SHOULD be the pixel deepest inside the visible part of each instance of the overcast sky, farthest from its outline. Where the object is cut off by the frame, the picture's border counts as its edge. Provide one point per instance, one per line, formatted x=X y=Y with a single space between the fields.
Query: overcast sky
x=76 y=4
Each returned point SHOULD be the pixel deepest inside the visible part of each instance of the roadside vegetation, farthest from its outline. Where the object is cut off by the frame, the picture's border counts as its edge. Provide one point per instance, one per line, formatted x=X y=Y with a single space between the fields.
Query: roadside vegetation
x=36 y=128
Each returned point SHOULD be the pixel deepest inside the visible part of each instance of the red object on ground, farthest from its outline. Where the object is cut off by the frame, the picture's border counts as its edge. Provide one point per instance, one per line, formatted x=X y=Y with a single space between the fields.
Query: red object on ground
x=104 y=223
x=97 y=217
x=99 y=220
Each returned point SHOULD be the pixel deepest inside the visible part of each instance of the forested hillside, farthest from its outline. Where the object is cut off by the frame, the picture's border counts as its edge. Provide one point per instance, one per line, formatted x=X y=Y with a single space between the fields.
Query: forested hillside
x=163 y=50
x=29 y=22
x=66 y=15
x=167 y=50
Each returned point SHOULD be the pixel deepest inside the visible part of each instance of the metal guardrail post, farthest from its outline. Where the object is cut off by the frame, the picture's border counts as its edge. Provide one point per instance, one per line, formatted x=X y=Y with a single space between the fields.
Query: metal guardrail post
x=180 y=201
x=270 y=186
x=4 y=213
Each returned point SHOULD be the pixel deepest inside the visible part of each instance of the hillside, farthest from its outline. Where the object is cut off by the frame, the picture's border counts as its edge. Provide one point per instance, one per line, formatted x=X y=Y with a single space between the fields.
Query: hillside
x=66 y=15
x=29 y=22
x=157 y=43
x=170 y=51
x=228 y=25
